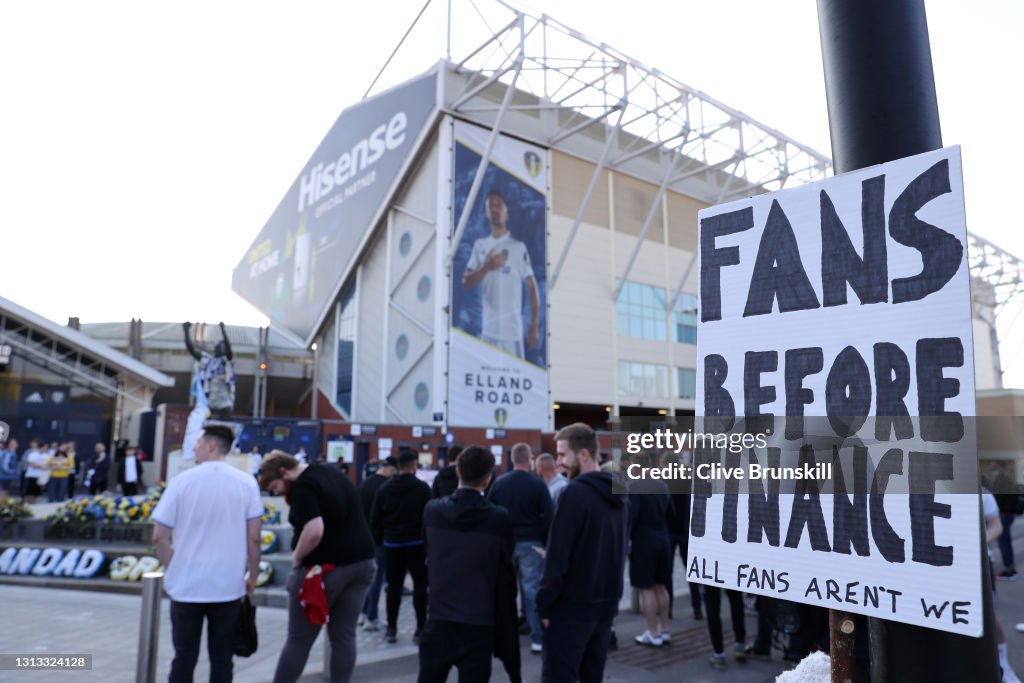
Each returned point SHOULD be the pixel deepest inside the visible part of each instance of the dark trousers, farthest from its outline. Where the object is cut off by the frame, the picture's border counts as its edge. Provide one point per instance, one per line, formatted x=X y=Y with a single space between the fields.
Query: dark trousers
x=575 y=651
x=713 y=605
x=447 y=644
x=373 y=595
x=767 y=616
x=681 y=542
x=344 y=590
x=186 y=633
x=398 y=561
x=1006 y=541
x=97 y=486
x=130 y=489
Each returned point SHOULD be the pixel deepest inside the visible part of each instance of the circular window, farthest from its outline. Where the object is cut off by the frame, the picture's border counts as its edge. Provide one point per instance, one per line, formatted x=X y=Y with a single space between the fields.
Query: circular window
x=404 y=244
x=421 y=395
x=402 y=347
x=423 y=288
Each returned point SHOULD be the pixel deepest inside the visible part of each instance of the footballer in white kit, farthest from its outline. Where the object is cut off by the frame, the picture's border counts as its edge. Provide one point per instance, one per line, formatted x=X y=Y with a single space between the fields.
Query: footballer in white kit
x=501 y=265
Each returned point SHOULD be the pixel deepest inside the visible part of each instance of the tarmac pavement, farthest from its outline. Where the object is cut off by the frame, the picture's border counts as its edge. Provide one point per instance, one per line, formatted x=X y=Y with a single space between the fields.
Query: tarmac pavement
x=47 y=621
x=38 y=621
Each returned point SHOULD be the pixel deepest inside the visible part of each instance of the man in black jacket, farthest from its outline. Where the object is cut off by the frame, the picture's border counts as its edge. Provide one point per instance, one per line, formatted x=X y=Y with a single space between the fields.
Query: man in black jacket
x=469 y=550
x=367 y=494
x=397 y=524
x=582 y=582
x=528 y=502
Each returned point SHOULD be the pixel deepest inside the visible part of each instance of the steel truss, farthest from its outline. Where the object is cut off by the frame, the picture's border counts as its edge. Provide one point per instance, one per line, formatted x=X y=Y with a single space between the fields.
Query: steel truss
x=999 y=269
x=606 y=106
x=40 y=348
x=599 y=103
x=588 y=82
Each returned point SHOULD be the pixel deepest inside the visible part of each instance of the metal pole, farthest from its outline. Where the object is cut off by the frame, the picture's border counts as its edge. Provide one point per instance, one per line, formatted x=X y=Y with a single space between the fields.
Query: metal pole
x=313 y=395
x=149 y=627
x=265 y=374
x=327 y=658
x=882 y=107
x=256 y=373
x=841 y=627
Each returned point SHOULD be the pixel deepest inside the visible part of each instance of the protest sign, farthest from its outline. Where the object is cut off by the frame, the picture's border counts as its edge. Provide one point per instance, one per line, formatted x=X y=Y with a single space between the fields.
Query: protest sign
x=835 y=324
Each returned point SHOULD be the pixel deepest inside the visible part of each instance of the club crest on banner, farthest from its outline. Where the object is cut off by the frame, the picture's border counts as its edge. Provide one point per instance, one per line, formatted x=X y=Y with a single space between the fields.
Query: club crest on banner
x=532 y=162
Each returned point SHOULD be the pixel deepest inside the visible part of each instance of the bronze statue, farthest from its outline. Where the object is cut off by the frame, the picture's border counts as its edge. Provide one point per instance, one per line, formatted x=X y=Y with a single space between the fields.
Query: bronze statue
x=215 y=374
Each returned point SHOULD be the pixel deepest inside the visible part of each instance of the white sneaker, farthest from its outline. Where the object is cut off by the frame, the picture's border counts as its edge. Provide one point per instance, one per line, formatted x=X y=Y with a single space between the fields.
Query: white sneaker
x=666 y=636
x=371 y=626
x=646 y=638
x=1020 y=628
x=361 y=620
x=536 y=648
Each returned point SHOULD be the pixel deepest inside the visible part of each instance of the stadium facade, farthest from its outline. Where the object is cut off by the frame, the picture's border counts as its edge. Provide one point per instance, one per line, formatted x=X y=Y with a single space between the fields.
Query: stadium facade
x=373 y=256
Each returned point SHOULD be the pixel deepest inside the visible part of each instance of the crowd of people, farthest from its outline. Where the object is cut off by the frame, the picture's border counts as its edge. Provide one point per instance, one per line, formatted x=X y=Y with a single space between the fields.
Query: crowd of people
x=540 y=550
x=55 y=471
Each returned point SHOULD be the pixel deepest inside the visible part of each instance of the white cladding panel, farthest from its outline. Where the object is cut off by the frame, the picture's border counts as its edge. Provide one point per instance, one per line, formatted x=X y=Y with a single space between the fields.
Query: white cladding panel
x=327 y=357
x=585 y=346
x=414 y=291
x=370 y=335
x=582 y=316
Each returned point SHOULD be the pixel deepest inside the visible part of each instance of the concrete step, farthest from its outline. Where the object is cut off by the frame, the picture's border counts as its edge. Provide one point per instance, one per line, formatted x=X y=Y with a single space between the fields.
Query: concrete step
x=282 y=564
x=265 y=597
x=275 y=596
x=284 y=535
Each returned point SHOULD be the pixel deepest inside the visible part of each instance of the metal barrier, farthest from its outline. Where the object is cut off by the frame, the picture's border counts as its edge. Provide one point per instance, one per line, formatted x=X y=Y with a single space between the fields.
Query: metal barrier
x=149 y=627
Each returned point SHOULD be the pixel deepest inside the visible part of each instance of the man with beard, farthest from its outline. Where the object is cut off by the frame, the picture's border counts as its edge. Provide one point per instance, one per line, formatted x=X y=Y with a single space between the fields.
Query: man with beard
x=332 y=560
x=582 y=581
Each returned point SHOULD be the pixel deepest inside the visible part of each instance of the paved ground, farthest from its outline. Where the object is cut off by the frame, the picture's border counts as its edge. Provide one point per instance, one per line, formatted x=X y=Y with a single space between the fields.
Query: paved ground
x=50 y=621
x=37 y=620
x=42 y=620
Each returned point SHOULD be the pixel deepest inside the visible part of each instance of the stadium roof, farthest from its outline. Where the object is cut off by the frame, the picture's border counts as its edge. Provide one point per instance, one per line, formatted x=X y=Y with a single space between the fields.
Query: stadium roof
x=70 y=353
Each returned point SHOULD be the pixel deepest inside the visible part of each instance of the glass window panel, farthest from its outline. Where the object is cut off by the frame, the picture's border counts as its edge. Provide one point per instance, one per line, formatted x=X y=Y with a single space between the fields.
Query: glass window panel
x=686 y=379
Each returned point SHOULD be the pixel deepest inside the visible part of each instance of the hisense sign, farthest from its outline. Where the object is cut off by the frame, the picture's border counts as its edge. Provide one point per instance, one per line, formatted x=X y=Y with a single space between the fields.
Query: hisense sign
x=294 y=268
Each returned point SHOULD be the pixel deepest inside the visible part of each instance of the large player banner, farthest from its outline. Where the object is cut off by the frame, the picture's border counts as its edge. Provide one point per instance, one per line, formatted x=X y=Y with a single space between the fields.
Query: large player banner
x=498 y=353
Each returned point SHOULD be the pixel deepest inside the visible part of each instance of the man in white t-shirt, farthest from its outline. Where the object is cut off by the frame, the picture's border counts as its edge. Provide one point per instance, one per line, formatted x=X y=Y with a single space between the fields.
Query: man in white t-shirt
x=212 y=513
x=502 y=264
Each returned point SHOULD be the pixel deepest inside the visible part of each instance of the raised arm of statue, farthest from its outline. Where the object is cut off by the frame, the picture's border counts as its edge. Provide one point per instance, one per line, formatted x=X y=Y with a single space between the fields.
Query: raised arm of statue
x=188 y=341
x=227 y=344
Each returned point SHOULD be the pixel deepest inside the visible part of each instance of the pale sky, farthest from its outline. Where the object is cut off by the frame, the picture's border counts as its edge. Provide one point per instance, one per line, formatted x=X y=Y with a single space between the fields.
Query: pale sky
x=144 y=145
